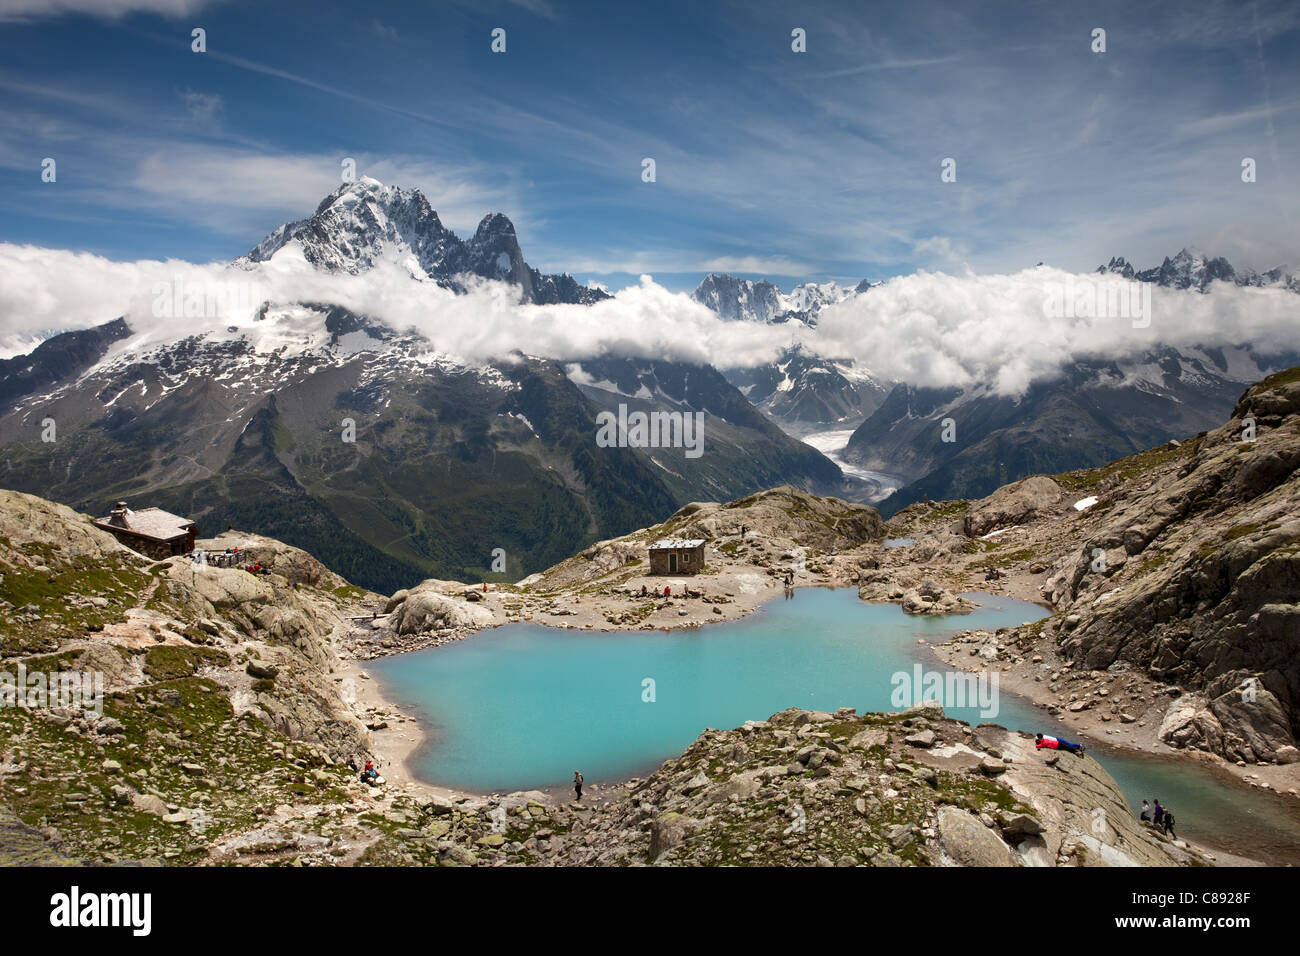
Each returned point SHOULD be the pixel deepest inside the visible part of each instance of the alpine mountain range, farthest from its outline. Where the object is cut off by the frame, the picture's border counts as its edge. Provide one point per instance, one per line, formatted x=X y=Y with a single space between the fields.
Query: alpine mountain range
x=240 y=424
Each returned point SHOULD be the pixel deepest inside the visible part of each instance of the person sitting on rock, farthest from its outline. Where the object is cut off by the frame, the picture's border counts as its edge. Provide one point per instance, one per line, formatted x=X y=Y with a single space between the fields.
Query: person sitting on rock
x=370 y=774
x=1057 y=743
x=1145 y=815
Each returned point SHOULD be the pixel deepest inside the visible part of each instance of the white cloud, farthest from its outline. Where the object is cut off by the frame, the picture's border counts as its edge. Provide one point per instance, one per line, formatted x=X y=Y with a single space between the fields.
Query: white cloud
x=56 y=289
x=926 y=329
x=997 y=330
x=48 y=289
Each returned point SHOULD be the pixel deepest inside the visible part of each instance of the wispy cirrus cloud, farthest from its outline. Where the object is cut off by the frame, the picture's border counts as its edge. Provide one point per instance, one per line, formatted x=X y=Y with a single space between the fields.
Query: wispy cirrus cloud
x=25 y=10
x=229 y=187
x=827 y=160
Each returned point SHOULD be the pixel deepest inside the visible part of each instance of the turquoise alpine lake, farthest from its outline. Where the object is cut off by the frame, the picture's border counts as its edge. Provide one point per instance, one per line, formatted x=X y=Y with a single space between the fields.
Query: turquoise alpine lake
x=522 y=706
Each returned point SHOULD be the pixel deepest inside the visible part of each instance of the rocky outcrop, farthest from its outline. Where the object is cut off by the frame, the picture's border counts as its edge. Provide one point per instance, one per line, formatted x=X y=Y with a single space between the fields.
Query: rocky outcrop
x=1012 y=504
x=930 y=598
x=788 y=524
x=806 y=520
x=293 y=564
x=207 y=671
x=910 y=789
x=31 y=520
x=425 y=609
x=966 y=841
x=1193 y=573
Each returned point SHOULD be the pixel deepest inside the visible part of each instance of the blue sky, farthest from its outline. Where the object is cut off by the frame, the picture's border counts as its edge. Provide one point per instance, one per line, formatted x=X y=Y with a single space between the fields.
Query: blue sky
x=821 y=165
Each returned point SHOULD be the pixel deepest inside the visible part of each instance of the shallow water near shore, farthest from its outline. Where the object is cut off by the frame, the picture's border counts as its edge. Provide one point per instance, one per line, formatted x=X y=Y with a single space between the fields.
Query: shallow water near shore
x=522 y=706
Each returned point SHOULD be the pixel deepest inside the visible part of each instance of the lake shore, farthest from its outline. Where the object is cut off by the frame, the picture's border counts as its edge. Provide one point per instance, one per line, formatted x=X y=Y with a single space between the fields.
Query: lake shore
x=600 y=590
x=1140 y=698
x=399 y=744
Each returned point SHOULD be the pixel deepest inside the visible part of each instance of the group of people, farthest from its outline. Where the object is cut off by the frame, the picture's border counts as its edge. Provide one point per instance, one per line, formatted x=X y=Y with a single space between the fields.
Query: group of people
x=217 y=559
x=992 y=574
x=667 y=592
x=368 y=773
x=1158 y=815
x=226 y=559
x=1161 y=817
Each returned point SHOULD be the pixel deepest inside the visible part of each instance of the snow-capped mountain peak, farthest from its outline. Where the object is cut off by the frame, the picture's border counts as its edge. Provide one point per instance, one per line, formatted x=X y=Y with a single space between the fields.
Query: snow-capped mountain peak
x=739 y=299
x=364 y=223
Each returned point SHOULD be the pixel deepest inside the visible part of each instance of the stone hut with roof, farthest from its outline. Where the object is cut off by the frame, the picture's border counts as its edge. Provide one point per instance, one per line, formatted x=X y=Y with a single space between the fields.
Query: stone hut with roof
x=151 y=531
x=677 y=556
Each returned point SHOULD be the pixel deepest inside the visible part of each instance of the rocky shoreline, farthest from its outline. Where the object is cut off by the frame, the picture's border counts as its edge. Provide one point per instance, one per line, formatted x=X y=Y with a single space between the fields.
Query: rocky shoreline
x=1031 y=533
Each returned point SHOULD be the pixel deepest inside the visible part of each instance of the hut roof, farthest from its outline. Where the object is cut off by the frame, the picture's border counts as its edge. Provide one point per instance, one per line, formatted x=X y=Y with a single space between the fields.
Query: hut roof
x=149 y=523
x=669 y=544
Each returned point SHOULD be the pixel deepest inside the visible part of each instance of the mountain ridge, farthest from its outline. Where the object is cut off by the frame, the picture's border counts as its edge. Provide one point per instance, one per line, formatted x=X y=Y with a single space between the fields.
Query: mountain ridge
x=364 y=222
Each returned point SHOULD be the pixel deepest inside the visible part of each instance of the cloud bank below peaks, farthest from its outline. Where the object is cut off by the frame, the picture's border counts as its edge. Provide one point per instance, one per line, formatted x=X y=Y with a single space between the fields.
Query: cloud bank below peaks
x=1010 y=331
x=928 y=329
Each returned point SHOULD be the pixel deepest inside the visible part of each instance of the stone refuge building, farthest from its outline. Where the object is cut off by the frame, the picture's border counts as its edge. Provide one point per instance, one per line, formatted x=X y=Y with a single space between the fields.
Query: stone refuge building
x=152 y=532
x=677 y=556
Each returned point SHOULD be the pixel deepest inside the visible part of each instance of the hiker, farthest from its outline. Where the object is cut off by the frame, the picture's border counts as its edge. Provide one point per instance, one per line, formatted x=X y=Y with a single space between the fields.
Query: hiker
x=667 y=592
x=577 y=784
x=643 y=591
x=1057 y=743
x=1160 y=812
x=743 y=529
x=485 y=587
x=1168 y=823
x=1145 y=815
